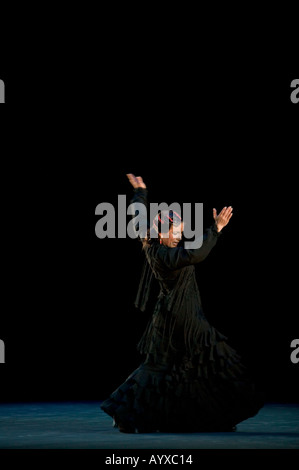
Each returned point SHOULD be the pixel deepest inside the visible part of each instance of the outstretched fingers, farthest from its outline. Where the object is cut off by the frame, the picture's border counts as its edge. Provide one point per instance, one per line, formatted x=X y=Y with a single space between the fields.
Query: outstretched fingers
x=140 y=182
x=136 y=181
x=132 y=180
x=226 y=212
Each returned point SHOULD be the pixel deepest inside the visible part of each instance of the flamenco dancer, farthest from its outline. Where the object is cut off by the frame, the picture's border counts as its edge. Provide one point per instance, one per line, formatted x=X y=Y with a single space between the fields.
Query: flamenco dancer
x=191 y=380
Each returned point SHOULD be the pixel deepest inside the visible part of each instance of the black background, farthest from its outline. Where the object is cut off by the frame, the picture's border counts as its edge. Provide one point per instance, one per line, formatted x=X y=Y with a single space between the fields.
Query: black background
x=217 y=131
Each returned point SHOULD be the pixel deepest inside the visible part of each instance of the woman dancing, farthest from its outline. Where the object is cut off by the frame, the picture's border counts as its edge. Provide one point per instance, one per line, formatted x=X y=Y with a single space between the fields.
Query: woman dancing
x=191 y=380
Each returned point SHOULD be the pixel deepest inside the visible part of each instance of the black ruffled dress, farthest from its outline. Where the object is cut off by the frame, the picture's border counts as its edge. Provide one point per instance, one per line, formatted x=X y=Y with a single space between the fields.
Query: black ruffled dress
x=191 y=380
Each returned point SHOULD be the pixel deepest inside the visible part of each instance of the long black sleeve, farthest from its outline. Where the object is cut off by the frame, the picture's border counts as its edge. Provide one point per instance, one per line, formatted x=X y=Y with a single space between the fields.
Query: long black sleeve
x=179 y=257
x=140 y=196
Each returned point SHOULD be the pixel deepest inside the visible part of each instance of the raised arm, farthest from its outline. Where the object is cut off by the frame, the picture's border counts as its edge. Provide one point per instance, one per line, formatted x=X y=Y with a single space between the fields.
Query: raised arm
x=140 y=194
x=179 y=257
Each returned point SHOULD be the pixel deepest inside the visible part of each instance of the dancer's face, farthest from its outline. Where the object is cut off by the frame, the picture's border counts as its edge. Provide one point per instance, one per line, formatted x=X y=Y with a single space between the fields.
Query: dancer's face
x=173 y=237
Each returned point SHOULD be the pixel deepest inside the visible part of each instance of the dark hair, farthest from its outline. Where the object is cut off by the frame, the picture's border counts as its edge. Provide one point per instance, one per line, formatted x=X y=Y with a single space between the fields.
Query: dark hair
x=163 y=221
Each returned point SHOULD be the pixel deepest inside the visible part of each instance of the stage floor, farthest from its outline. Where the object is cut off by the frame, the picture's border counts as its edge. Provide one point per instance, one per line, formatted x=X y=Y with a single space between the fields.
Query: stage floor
x=83 y=425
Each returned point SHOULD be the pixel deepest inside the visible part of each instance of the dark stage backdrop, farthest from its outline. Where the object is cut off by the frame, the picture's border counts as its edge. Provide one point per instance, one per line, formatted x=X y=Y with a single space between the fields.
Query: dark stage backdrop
x=68 y=319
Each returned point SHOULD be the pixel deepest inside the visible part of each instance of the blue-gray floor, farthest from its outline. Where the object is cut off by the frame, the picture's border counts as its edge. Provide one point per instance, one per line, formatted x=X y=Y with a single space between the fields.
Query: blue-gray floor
x=85 y=426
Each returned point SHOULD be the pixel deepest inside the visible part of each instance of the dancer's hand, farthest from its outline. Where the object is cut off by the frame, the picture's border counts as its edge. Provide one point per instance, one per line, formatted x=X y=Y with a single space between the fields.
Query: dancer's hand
x=223 y=218
x=136 y=181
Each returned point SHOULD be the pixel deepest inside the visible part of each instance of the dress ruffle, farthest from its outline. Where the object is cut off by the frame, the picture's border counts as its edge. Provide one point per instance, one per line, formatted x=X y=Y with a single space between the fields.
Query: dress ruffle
x=172 y=393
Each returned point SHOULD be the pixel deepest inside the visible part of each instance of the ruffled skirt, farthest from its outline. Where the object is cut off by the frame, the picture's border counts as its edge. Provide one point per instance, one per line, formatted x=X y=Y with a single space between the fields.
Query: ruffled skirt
x=173 y=392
